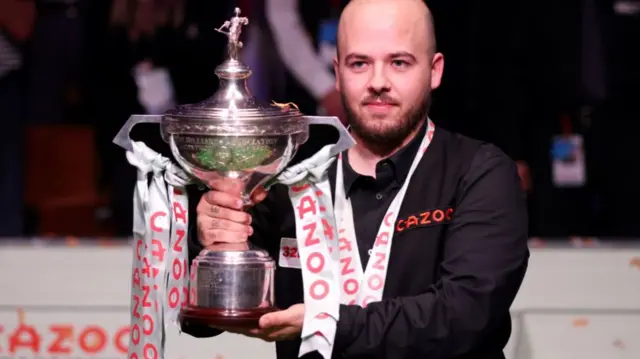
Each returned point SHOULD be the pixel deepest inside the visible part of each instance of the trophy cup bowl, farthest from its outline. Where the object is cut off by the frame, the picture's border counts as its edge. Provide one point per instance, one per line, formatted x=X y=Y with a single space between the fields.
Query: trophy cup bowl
x=252 y=150
x=230 y=136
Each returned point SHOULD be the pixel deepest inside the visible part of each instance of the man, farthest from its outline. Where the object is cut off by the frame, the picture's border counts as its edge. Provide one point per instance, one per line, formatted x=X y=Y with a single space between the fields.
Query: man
x=459 y=250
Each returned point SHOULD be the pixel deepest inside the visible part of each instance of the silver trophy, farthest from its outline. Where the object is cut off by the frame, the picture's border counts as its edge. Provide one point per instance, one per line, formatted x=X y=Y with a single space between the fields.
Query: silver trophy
x=231 y=136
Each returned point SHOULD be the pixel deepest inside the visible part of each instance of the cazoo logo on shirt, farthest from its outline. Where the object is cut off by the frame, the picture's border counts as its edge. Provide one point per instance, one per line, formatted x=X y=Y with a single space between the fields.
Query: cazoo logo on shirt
x=425 y=218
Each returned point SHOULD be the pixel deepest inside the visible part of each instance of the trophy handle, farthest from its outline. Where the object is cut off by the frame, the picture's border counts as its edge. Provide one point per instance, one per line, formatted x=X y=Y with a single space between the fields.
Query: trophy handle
x=123 y=140
x=345 y=141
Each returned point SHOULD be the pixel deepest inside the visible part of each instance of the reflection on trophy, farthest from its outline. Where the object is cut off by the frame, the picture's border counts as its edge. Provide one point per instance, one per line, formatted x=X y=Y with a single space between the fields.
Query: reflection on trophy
x=231 y=136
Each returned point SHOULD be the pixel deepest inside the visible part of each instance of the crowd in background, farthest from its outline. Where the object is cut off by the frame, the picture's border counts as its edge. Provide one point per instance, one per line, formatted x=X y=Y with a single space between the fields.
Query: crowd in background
x=554 y=83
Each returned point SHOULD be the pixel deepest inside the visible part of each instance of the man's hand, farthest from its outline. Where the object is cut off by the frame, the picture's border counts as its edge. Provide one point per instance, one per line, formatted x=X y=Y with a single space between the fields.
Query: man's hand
x=277 y=326
x=333 y=105
x=281 y=325
x=221 y=218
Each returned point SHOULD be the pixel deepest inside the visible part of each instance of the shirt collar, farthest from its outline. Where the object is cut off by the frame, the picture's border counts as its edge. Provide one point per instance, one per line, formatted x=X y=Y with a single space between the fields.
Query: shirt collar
x=399 y=163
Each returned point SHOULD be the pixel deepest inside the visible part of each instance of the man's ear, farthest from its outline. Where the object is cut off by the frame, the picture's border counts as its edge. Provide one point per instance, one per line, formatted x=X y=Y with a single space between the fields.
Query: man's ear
x=437 y=68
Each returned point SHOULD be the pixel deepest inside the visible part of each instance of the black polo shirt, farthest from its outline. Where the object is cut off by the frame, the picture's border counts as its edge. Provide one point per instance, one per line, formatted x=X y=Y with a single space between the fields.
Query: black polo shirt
x=371 y=197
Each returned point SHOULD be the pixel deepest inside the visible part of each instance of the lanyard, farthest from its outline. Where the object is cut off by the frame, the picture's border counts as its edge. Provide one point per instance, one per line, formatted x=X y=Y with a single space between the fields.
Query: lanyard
x=358 y=287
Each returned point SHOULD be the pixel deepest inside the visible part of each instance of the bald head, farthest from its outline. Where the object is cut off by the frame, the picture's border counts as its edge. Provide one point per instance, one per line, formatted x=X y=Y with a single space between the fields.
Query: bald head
x=400 y=15
x=386 y=68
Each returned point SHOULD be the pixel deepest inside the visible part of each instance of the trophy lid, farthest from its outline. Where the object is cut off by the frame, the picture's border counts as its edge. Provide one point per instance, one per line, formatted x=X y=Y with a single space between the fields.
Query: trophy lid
x=233 y=101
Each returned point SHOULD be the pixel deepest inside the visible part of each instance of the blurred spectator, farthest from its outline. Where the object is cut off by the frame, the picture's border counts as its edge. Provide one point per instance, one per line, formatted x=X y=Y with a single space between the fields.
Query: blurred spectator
x=16 y=27
x=549 y=34
x=174 y=35
x=482 y=94
x=55 y=58
x=551 y=101
x=620 y=120
x=582 y=81
x=305 y=36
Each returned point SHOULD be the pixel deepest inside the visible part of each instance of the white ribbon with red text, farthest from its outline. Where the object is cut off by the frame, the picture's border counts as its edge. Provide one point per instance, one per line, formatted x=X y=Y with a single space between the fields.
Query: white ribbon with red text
x=159 y=284
x=317 y=238
x=358 y=287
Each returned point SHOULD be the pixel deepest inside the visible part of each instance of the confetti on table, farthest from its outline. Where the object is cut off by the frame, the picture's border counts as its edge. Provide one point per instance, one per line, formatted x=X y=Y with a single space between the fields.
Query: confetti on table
x=619 y=344
x=580 y=322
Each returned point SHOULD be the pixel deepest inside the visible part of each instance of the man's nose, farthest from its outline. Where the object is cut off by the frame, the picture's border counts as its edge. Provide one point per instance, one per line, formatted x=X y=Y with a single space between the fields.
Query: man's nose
x=379 y=82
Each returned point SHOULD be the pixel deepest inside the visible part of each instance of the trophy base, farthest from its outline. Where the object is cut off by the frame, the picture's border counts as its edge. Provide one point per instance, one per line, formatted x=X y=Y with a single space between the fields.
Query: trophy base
x=224 y=318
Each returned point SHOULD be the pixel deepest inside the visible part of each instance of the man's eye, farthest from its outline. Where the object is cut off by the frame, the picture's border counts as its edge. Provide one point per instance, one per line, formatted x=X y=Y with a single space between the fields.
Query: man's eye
x=357 y=64
x=399 y=63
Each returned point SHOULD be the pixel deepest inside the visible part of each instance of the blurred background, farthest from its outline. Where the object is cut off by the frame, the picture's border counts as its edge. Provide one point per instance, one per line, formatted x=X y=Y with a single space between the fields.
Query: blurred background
x=554 y=83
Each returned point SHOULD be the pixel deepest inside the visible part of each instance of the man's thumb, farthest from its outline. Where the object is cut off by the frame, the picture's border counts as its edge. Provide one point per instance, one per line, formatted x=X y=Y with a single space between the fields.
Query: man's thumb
x=275 y=319
x=270 y=320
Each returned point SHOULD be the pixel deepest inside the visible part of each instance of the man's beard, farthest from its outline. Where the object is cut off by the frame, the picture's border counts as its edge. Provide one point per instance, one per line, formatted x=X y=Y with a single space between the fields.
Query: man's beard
x=382 y=139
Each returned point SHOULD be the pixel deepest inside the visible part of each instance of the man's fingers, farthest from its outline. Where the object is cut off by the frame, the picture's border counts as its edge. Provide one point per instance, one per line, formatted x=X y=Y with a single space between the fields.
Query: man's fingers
x=259 y=195
x=238 y=330
x=256 y=333
x=226 y=246
x=224 y=199
x=268 y=335
x=284 y=333
x=275 y=319
x=206 y=209
x=211 y=236
x=271 y=334
x=291 y=316
x=210 y=223
x=220 y=219
x=231 y=186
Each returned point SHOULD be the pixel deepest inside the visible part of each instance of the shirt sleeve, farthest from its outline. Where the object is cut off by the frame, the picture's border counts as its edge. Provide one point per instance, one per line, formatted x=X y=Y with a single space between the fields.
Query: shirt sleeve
x=296 y=48
x=485 y=257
